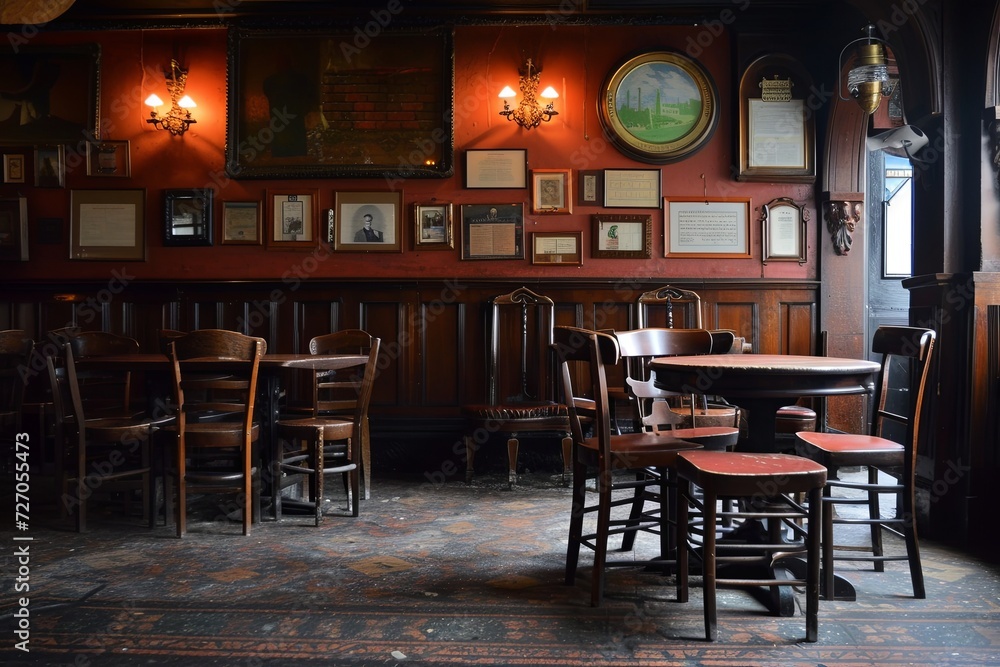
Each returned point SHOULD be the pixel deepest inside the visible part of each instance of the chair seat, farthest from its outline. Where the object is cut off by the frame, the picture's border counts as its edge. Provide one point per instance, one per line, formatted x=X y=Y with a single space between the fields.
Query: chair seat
x=848 y=449
x=333 y=428
x=746 y=474
x=216 y=434
x=710 y=437
x=793 y=418
x=643 y=450
x=518 y=411
x=119 y=429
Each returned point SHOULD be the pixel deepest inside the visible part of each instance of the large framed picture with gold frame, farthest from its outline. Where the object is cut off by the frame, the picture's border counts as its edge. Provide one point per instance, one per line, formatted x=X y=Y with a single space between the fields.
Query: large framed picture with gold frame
x=777 y=131
x=659 y=107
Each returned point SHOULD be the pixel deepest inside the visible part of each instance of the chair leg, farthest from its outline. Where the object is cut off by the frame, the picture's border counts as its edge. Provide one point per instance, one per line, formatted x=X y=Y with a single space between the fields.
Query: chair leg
x=812 y=563
x=366 y=459
x=638 y=502
x=512 y=460
x=684 y=491
x=912 y=545
x=709 y=565
x=317 y=474
x=470 y=459
x=875 y=513
x=827 y=544
x=567 y=457
x=579 y=496
x=601 y=539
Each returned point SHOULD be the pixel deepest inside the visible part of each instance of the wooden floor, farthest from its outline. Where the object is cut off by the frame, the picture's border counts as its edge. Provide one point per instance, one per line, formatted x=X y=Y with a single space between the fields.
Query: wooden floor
x=437 y=574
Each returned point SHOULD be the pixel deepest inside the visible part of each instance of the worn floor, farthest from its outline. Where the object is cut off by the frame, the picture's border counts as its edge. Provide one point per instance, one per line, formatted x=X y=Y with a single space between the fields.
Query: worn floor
x=438 y=574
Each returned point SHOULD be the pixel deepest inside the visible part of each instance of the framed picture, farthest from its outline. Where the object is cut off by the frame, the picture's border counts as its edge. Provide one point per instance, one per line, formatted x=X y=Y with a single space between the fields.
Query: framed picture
x=496 y=169
x=659 y=107
x=107 y=224
x=622 y=236
x=590 y=188
x=367 y=222
x=551 y=191
x=187 y=217
x=557 y=248
x=291 y=218
x=13 y=168
x=777 y=132
x=58 y=93
x=240 y=223
x=14 y=229
x=108 y=158
x=433 y=226
x=632 y=188
x=50 y=167
x=707 y=227
x=318 y=127
x=492 y=231
x=783 y=227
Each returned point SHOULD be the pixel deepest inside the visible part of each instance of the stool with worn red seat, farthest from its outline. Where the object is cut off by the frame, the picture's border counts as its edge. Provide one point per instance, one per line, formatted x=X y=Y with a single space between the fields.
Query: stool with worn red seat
x=771 y=480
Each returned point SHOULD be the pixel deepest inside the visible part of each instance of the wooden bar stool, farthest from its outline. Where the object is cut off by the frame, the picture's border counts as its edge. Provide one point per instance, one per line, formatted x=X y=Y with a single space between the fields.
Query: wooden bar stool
x=769 y=479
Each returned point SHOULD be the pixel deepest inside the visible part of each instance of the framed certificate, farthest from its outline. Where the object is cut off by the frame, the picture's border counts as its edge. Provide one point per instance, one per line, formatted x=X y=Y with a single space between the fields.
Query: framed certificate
x=556 y=248
x=498 y=168
x=492 y=231
x=632 y=188
x=622 y=236
x=783 y=231
x=707 y=227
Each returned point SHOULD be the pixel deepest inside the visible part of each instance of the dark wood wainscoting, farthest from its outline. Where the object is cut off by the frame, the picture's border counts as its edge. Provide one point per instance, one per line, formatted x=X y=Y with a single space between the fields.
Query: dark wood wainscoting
x=432 y=331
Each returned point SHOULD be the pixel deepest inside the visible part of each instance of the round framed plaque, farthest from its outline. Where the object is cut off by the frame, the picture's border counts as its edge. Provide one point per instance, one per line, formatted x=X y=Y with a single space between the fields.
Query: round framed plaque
x=659 y=107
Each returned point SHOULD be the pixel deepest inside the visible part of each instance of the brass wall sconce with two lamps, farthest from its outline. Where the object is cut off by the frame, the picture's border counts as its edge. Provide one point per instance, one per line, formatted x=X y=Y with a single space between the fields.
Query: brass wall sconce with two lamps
x=529 y=112
x=868 y=80
x=178 y=117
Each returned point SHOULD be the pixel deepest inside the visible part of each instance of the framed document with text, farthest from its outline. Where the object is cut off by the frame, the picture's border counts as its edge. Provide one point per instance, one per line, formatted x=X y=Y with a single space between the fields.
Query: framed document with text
x=707 y=227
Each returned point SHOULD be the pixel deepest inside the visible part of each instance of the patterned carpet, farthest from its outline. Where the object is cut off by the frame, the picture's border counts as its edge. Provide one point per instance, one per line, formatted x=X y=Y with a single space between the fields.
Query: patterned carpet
x=444 y=574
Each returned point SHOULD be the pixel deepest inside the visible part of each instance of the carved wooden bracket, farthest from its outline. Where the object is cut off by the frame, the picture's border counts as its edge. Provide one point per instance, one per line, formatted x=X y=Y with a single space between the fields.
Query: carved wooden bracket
x=843 y=215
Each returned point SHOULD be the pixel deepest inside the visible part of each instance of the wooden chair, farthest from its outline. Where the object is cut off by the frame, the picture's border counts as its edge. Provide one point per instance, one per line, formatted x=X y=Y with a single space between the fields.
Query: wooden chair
x=103 y=450
x=104 y=393
x=772 y=478
x=334 y=438
x=519 y=383
x=675 y=308
x=215 y=372
x=902 y=399
x=602 y=456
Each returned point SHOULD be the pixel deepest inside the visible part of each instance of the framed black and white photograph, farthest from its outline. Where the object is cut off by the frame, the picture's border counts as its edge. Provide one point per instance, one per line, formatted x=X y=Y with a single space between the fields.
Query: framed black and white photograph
x=551 y=191
x=433 y=226
x=367 y=222
x=492 y=231
x=187 y=217
x=292 y=218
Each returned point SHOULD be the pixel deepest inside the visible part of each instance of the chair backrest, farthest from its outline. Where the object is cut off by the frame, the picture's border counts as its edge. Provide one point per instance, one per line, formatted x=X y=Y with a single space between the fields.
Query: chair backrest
x=67 y=402
x=586 y=397
x=519 y=361
x=638 y=346
x=15 y=355
x=345 y=391
x=107 y=393
x=219 y=378
x=668 y=297
x=903 y=388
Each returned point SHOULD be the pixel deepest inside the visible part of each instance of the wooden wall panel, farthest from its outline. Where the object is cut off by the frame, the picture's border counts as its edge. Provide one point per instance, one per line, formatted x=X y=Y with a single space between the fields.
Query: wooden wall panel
x=433 y=333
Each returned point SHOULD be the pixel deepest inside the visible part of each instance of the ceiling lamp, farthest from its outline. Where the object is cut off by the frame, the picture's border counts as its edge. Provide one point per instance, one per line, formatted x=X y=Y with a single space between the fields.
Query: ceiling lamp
x=178 y=118
x=529 y=112
x=868 y=80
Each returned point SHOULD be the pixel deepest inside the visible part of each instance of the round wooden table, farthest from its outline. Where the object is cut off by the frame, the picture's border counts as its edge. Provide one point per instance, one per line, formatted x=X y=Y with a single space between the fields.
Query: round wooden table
x=763 y=383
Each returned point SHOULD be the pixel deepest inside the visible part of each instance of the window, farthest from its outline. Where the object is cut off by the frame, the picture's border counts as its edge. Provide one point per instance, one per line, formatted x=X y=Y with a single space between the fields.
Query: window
x=897 y=232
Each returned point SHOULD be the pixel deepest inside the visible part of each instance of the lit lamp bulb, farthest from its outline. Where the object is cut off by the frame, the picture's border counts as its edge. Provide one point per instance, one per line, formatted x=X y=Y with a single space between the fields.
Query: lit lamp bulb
x=186 y=102
x=154 y=101
x=549 y=94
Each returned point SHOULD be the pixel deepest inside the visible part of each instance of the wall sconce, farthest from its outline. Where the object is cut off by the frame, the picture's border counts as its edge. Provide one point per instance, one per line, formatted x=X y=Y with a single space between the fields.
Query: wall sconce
x=868 y=81
x=529 y=112
x=178 y=119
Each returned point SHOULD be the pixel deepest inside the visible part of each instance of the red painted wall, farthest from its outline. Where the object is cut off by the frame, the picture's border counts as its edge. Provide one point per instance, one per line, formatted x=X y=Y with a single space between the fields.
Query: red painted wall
x=574 y=59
